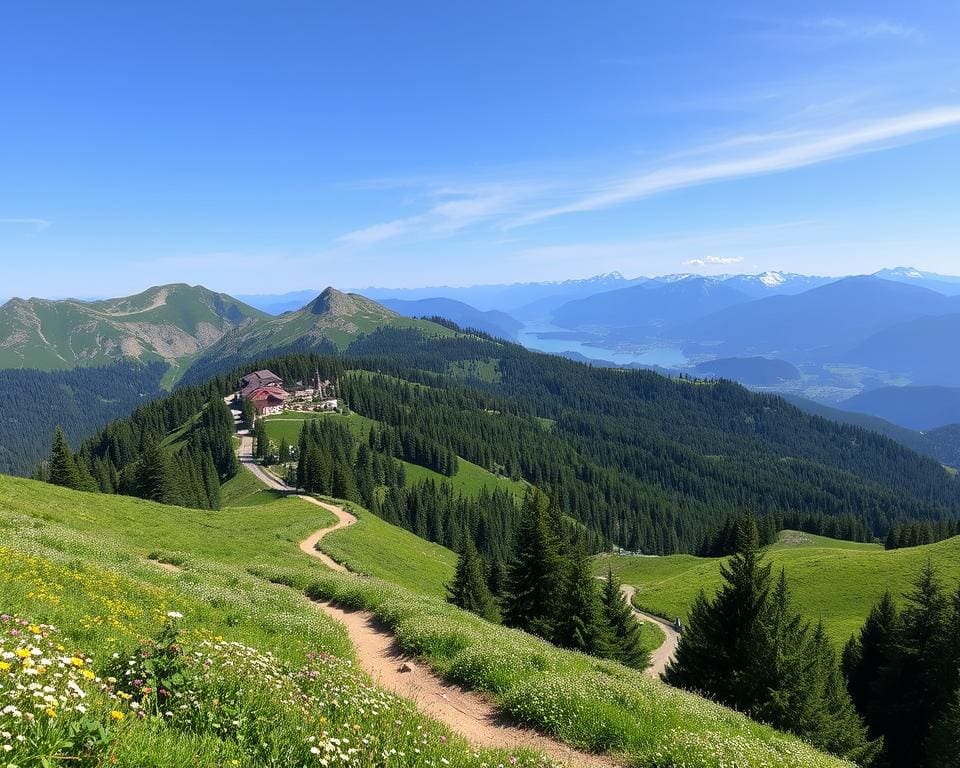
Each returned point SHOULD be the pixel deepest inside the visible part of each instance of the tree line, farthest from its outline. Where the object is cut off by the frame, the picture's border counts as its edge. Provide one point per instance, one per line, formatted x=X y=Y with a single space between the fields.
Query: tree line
x=919 y=532
x=130 y=457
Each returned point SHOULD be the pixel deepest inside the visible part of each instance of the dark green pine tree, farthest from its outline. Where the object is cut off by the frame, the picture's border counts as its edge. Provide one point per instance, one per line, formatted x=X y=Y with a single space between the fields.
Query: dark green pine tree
x=469 y=589
x=830 y=720
x=580 y=623
x=211 y=482
x=344 y=485
x=786 y=668
x=626 y=640
x=913 y=685
x=724 y=637
x=533 y=583
x=154 y=477
x=865 y=655
x=63 y=469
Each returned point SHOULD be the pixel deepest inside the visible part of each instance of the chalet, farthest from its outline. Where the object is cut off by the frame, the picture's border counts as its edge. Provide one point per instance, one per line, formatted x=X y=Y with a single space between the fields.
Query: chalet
x=257 y=380
x=268 y=400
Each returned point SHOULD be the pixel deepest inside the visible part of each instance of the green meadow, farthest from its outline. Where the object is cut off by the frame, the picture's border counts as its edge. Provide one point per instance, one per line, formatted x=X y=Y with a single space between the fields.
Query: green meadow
x=836 y=581
x=265 y=671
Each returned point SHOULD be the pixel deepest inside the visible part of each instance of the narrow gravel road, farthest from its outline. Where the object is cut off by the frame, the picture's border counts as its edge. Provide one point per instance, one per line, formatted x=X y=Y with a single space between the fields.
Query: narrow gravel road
x=668 y=649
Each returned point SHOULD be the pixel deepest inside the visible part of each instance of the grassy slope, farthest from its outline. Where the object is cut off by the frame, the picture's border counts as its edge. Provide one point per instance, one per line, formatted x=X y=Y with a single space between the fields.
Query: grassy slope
x=78 y=560
x=470 y=478
x=376 y=548
x=834 y=580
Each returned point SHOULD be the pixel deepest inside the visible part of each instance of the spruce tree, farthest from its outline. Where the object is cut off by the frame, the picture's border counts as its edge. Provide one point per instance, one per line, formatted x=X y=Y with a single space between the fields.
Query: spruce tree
x=625 y=634
x=865 y=655
x=830 y=720
x=580 y=623
x=63 y=468
x=533 y=582
x=724 y=638
x=469 y=590
x=154 y=477
x=914 y=686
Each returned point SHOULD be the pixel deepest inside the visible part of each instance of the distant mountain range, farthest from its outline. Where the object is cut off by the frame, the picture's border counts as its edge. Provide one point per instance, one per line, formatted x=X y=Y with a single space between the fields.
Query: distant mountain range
x=493 y=321
x=820 y=323
x=921 y=408
x=649 y=308
x=821 y=337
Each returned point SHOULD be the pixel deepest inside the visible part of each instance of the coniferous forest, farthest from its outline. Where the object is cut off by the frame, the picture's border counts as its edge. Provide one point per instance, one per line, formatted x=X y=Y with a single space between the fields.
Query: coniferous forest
x=79 y=401
x=645 y=462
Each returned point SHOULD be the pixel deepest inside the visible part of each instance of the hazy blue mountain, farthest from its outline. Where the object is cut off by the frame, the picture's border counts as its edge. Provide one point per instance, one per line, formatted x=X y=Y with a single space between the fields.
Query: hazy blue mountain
x=508 y=297
x=493 y=321
x=822 y=323
x=942 y=444
x=946 y=444
x=923 y=408
x=924 y=348
x=752 y=371
x=648 y=308
x=278 y=303
x=775 y=283
x=947 y=284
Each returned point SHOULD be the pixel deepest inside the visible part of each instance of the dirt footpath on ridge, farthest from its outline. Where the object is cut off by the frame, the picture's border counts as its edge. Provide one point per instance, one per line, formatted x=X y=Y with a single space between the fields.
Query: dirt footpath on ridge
x=468 y=713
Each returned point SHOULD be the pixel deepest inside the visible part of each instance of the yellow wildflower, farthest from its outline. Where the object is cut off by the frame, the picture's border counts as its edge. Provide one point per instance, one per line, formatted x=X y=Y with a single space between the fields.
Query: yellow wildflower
x=88 y=675
x=77 y=661
x=51 y=712
x=4 y=666
x=22 y=653
x=116 y=714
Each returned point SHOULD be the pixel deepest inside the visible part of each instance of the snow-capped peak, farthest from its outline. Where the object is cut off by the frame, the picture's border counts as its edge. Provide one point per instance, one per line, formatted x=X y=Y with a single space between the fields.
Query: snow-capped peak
x=772 y=279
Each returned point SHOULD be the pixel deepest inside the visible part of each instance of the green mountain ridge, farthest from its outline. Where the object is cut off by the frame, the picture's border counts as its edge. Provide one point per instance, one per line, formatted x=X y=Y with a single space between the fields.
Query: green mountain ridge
x=170 y=323
x=328 y=323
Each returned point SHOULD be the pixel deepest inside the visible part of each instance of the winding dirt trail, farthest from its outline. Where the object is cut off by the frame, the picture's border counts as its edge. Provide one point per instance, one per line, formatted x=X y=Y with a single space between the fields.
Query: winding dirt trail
x=668 y=648
x=465 y=712
x=309 y=544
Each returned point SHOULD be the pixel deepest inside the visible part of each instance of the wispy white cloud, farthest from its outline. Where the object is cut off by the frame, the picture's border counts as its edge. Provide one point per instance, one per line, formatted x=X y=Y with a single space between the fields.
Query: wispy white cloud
x=452 y=208
x=508 y=204
x=797 y=151
x=711 y=261
x=862 y=29
x=38 y=224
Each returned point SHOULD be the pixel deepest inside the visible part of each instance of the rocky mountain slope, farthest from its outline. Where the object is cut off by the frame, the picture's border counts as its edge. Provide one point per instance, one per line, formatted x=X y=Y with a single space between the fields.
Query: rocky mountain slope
x=169 y=322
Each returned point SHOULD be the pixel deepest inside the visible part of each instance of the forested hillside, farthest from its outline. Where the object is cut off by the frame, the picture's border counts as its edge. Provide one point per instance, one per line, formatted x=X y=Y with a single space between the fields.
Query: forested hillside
x=80 y=400
x=643 y=461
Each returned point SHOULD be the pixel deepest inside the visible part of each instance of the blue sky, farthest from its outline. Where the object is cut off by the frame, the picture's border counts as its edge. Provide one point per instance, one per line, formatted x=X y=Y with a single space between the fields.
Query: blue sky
x=259 y=147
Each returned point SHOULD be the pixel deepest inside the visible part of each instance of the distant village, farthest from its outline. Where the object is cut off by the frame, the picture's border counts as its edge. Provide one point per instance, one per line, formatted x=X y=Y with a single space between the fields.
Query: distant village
x=269 y=396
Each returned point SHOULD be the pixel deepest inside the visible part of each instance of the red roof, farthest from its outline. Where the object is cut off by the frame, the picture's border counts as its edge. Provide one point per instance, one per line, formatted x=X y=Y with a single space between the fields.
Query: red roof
x=268 y=393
